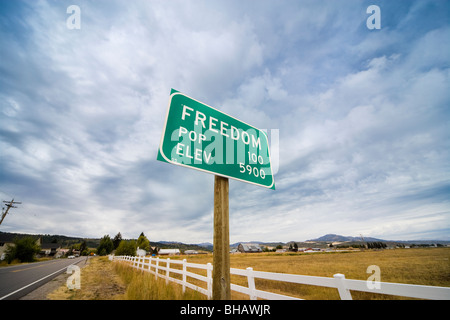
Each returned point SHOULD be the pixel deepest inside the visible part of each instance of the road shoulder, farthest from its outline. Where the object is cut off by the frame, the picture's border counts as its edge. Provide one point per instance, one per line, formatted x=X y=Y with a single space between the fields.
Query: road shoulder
x=43 y=291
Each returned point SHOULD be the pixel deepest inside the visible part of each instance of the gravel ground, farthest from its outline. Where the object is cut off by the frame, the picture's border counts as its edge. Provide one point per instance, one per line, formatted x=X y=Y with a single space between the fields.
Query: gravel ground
x=41 y=292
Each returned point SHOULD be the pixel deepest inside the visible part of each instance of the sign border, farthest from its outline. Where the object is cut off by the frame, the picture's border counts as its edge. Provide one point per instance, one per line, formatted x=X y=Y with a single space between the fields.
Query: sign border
x=161 y=153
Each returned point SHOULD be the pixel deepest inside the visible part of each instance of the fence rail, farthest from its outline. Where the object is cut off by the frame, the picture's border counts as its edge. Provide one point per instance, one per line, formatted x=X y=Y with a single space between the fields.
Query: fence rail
x=343 y=285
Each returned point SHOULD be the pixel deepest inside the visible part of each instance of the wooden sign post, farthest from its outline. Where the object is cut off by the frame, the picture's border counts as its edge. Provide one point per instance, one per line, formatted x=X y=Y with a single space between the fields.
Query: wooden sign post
x=221 y=259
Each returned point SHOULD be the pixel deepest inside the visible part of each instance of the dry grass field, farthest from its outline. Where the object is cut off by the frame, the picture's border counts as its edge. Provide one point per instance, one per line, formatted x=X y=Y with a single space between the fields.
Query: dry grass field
x=103 y=279
x=428 y=266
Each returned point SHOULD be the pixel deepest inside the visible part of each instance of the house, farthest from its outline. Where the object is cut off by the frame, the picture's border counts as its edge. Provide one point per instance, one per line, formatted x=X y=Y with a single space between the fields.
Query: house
x=49 y=249
x=170 y=252
x=312 y=250
x=61 y=252
x=190 y=252
x=249 y=247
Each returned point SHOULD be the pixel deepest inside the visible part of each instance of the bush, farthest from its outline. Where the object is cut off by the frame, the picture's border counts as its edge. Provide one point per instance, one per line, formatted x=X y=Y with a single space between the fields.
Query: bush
x=126 y=248
x=24 y=249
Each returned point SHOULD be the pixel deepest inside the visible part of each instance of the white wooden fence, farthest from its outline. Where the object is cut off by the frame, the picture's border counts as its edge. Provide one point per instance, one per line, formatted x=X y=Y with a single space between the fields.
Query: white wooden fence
x=338 y=281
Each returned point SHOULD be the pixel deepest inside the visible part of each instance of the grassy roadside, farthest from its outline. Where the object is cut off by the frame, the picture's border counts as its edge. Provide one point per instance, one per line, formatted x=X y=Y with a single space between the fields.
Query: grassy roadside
x=106 y=280
x=16 y=262
x=98 y=282
x=143 y=286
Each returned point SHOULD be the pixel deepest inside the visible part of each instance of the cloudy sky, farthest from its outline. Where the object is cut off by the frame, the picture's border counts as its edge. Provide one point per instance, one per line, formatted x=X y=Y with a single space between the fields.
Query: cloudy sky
x=358 y=118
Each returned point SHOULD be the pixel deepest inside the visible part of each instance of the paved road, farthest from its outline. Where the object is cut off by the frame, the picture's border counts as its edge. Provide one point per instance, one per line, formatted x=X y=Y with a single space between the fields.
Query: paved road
x=17 y=281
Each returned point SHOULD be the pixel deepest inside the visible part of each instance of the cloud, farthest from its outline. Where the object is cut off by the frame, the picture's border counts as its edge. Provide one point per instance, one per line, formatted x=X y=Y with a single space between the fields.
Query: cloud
x=361 y=116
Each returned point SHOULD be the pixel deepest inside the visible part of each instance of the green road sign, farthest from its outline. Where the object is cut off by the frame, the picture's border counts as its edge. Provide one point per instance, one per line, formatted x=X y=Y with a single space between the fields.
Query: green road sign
x=200 y=137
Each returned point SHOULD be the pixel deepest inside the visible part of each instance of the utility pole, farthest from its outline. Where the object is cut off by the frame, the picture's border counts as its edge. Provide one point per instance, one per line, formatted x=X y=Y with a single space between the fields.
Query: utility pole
x=364 y=243
x=9 y=205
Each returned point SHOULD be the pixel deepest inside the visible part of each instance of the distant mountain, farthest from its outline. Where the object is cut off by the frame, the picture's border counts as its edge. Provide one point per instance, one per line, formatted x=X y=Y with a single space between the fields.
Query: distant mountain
x=338 y=238
x=205 y=244
x=170 y=242
x=253 y=242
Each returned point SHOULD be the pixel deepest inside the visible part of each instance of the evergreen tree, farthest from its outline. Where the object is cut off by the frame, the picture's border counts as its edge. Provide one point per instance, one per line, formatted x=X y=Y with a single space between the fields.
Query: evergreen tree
x=83 y=248
x=117 y=240
x=143 y=242
x=106 y=246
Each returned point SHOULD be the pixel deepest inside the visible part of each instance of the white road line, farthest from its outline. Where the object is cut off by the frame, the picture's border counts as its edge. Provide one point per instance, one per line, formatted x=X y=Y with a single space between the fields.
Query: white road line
x=9 y=294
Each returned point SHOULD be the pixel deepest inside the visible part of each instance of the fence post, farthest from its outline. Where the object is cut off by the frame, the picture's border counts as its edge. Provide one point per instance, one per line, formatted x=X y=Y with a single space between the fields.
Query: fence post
x=251 y=283
x=184 y=275
x=167 y=270
x=343 y=291
x=156 y=268
x=150 y=264
x=209 y=279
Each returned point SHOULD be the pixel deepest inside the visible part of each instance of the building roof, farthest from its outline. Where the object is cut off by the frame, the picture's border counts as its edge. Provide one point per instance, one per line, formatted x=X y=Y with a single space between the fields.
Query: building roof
x=250 y=247
x=50 y=246
x=169 y=251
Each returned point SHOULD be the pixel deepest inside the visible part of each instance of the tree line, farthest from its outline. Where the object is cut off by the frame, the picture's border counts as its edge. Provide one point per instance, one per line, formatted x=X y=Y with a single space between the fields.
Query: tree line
x=25 y=249
x=123 y=247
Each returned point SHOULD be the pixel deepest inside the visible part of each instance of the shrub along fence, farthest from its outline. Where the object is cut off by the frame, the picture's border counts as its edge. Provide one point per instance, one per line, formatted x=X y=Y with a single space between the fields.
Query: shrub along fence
x=163 y=268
